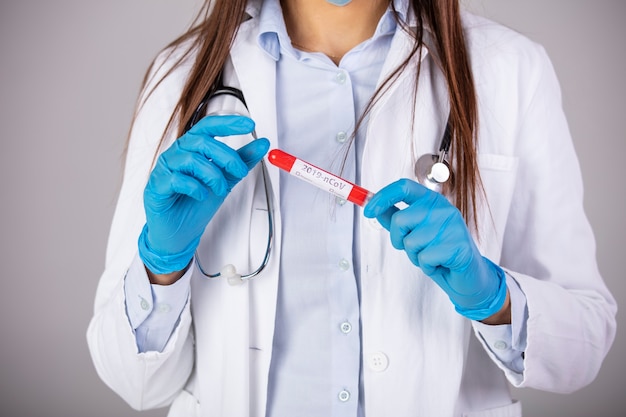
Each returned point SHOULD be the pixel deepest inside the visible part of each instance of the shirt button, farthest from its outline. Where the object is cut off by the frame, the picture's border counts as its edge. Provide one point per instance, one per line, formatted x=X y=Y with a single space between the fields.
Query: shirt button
x=378 y=362
x=344 y=395
x=341 y=77
x=345 y=327
x=340 y=201
x=500 y=345
x=344 y=265
x=341 y=137
x=145 y=305
x=163 y=308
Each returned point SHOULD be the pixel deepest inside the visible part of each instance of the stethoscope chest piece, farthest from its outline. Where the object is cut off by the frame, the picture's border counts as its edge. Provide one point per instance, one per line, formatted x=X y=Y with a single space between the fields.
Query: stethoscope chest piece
x=432 y=171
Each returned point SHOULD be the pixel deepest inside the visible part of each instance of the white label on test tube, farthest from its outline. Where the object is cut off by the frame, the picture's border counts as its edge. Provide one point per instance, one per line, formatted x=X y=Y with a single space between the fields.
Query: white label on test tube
x=321 y=179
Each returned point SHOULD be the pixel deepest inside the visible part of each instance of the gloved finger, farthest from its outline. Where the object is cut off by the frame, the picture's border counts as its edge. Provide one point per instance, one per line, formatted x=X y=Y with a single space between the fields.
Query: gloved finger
x=198 y=167
x=418 y=259
x=177 y=184
x=382 y=205
x=446 y=274
x=214 y=151
x=416 y=217
x=385 y=218
x=251 y=153
x=188 y=185
x=222 y=125
x=403 y=190
x=415 y=239
x=449 y=250
x=201 y=139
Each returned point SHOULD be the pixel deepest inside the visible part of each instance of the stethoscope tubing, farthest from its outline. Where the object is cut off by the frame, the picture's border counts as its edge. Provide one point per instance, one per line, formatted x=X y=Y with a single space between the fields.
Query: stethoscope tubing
x=229 y=270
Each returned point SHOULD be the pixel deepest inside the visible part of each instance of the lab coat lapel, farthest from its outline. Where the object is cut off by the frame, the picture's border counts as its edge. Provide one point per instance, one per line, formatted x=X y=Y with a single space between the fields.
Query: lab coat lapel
x=255 y=73
x=401 y=46
x=390 y=132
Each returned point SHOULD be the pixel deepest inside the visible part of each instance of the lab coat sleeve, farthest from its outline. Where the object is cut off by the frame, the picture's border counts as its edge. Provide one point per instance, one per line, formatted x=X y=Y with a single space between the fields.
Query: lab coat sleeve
x=549 y=246
x=150 y=379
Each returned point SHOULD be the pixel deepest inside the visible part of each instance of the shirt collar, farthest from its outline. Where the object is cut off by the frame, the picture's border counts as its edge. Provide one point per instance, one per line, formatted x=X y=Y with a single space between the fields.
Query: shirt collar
x=273 y=33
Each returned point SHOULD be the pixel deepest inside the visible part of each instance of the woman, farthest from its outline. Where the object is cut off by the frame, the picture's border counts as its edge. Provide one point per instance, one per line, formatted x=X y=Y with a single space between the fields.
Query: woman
x=432 y=309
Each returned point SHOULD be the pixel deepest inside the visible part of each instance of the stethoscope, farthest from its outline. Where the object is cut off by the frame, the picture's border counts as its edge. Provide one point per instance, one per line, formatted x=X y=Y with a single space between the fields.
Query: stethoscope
x=431 y=170
x=229 y=271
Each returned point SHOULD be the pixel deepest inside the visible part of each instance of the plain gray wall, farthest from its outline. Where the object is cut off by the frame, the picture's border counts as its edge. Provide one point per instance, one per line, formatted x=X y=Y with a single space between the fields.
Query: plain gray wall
x=69 y=74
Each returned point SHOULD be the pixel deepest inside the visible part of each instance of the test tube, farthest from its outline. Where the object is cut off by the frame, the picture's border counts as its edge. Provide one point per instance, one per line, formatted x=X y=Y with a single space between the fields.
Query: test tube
x=319 y=177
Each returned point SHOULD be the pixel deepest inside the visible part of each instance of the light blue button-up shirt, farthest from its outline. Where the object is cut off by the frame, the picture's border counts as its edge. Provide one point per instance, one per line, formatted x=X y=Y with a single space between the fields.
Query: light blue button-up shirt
x=317 y=358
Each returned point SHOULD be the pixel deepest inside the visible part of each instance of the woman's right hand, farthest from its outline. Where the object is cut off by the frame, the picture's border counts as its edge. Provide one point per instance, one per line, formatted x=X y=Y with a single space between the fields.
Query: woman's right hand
x=188 y=184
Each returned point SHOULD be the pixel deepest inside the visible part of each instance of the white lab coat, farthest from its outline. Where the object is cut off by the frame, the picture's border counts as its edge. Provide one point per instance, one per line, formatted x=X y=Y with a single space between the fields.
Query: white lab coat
x=217 y=361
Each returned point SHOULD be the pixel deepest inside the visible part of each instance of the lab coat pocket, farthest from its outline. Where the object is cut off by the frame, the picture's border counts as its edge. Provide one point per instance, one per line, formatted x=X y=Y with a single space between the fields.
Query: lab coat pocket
x=498 y=174
x=510 y=410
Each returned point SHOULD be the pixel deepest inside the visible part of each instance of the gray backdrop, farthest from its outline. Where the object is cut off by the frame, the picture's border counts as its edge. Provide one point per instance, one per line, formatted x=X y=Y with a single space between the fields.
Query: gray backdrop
x=69 y=74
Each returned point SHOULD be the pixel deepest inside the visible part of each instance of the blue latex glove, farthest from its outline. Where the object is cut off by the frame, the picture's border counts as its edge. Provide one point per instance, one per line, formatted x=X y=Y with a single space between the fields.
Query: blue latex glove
x=435 y=237
x=188 y=184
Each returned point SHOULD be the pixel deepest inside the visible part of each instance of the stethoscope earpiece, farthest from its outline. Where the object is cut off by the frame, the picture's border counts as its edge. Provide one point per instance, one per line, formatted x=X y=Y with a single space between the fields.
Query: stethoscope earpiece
x=230 y=273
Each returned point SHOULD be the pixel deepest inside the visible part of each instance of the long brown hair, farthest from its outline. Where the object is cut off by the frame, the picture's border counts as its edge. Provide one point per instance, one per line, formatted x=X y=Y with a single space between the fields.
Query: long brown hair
x=216 y=25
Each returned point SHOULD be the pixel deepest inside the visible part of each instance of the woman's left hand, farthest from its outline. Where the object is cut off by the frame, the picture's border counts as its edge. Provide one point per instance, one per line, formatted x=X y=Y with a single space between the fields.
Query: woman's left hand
x=435 y=237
